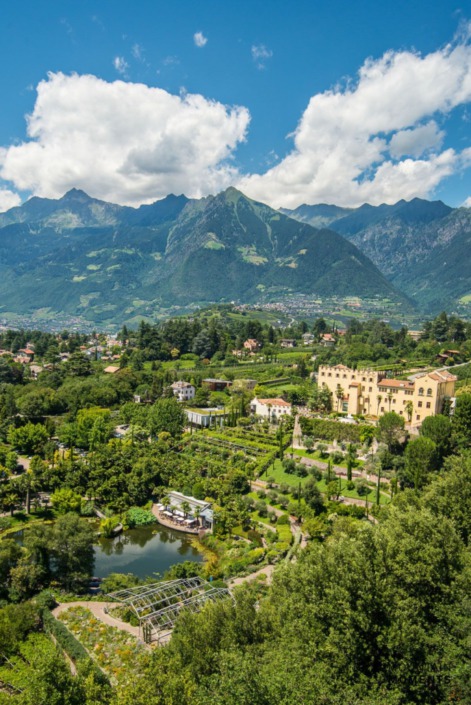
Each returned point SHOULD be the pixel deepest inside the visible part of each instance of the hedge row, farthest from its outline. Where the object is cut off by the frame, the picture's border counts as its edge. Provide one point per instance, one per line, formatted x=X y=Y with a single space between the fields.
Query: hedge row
x=330 y=430
x=70 y=645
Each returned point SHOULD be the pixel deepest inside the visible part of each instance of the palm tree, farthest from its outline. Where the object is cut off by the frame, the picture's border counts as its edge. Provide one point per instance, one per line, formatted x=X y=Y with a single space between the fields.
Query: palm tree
x=390 y=396
x=10 y=501
x=379 y=399
x=186 y=508
x=197 y=514
x=409 y=410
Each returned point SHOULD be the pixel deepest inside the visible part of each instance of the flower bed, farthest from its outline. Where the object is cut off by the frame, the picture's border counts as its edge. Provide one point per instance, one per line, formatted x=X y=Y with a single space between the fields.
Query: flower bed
x=118 y=653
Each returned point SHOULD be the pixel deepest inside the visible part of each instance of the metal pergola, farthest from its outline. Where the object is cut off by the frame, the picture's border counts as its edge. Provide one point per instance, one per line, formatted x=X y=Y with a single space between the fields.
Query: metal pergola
x=157 y=606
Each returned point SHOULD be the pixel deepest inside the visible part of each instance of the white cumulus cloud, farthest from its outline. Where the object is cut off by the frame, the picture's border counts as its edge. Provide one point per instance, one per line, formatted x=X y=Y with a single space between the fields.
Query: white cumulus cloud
x=200 y=40
x=8 y=199
x=123 y=142
x=375 y=139
x=416 y=141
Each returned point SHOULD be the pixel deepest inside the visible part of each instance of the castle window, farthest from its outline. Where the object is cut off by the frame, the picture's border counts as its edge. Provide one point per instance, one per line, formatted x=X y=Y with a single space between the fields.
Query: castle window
x=428 y=405
x=421 y=392
x=429 y=392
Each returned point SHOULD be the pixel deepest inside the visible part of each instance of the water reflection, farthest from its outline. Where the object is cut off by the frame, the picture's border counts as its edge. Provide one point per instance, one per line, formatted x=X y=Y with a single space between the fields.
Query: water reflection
x=143 y=552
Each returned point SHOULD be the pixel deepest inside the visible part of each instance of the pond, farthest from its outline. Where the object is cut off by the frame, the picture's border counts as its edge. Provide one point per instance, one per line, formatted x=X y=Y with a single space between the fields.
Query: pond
x=143 y=552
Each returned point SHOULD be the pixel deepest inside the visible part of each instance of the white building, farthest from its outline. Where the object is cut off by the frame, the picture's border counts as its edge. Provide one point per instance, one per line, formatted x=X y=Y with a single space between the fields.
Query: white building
x=184 y=391
x=197 y=511
x=206 y=418
x=272 y=409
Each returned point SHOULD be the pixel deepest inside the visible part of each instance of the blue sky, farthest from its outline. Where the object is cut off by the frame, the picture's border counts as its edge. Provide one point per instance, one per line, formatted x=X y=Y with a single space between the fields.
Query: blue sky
x=292 y=102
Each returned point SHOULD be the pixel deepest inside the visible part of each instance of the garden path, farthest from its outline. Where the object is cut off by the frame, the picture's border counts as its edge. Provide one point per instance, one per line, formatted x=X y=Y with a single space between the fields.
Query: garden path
x=98 y=611
x=267 y=570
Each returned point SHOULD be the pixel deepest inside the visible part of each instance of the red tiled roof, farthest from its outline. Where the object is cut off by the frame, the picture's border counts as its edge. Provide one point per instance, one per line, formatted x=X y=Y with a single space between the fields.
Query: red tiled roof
x=274 y=402
x=443 y=376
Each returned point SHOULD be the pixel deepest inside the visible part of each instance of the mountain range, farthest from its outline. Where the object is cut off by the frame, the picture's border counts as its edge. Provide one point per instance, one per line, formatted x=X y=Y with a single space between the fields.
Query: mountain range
x=112 y=264
x=422 y=247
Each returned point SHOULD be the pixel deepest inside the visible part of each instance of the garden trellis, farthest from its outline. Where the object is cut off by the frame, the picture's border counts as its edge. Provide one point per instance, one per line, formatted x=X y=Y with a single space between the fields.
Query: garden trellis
x=158 y=606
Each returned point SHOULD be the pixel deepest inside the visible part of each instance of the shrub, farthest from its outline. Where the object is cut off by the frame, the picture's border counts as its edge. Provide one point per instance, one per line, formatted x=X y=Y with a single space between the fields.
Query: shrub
x=293 y=510
x=5 y=523
x=315 y=473
x=45 y=600
x=273 y=518
x=284 y=488
x=256 y=555
x=283 y=519
x=322 y=448
x=300 y=470
x=248 y=501
x=362 y=488
x=261 y=494
x=289 y=466
x=273 y=497
x=261 y=508
x=336 y=456
x=87 y=508
x=139 y=517
x=350 y=485
x=255 y=537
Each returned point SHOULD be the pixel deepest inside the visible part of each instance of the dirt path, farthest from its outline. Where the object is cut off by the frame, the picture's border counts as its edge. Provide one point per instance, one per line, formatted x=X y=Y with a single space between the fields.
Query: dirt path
x=267 y=570
x=98 y=611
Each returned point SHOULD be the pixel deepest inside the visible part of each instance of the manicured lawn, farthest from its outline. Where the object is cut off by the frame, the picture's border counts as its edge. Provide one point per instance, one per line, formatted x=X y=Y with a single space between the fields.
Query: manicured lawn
x=315 y=455
x=353 y=494
x=282 y=477
x=264 y=520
